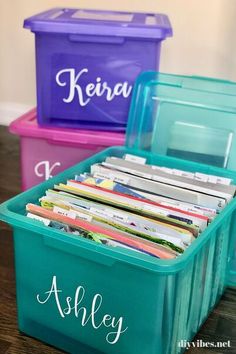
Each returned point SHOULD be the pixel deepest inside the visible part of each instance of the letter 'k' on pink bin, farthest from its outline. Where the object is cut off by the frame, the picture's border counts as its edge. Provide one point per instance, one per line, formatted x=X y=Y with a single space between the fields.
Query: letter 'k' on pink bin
x=47 y=151
x=87 y=62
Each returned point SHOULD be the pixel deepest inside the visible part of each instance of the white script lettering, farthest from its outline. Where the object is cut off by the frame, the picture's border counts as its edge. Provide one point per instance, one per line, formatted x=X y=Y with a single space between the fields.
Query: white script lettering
x=43 y=169
x=98 y=88
x=74 y=306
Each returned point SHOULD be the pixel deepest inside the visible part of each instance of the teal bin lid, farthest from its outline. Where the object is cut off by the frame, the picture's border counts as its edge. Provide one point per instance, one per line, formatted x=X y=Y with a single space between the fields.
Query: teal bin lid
x=193 y=118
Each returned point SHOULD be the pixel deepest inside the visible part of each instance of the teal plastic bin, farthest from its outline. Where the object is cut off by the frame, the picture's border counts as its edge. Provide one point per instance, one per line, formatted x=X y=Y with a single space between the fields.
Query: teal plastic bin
x=87 y=298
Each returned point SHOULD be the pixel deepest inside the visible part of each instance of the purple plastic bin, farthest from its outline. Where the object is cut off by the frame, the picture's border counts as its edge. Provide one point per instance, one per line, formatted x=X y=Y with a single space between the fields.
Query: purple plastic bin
x=47 y=151
x=87 y=62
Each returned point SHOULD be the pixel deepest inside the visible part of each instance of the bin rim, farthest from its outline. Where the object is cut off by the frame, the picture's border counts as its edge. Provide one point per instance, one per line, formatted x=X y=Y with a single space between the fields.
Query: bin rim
x=146 y=262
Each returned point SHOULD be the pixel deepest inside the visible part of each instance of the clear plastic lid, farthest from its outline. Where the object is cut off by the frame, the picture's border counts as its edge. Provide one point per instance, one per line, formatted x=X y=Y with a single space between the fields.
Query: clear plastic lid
x=94 y=22
x=192 y=118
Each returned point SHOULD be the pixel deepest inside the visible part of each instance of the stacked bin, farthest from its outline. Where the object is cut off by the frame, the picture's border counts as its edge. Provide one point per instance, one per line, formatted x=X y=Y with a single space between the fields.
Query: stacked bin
x=47 y=151
x=86 y=65
x=87 y=62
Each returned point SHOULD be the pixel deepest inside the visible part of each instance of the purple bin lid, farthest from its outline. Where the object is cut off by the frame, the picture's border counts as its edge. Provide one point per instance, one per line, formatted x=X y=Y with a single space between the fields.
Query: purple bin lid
x=27 y=126
x=94 y=22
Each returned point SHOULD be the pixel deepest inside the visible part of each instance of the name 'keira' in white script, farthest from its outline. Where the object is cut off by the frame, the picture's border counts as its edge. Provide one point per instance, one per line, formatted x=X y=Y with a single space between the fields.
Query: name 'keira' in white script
x=98 y=88
x=73 y=305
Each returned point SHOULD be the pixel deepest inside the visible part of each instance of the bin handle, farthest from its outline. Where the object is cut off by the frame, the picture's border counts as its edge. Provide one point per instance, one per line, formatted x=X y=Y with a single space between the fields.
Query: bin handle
x=96 y=39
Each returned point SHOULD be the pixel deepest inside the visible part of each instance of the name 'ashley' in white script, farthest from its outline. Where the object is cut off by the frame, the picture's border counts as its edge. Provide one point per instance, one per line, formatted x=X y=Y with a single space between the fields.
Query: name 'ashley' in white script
x=92 y=89
x=73 y=306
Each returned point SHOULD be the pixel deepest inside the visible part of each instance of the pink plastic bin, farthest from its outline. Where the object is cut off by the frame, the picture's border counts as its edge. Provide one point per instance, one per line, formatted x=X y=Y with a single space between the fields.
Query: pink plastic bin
x=47 y=151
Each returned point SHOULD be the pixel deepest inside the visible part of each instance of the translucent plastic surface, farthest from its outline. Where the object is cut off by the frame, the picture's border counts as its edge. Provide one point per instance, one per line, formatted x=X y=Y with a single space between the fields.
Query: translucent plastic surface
x=191 y=118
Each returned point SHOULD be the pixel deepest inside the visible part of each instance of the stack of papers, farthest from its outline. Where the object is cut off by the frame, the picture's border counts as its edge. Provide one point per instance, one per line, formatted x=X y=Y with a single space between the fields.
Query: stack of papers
x=127 y=203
